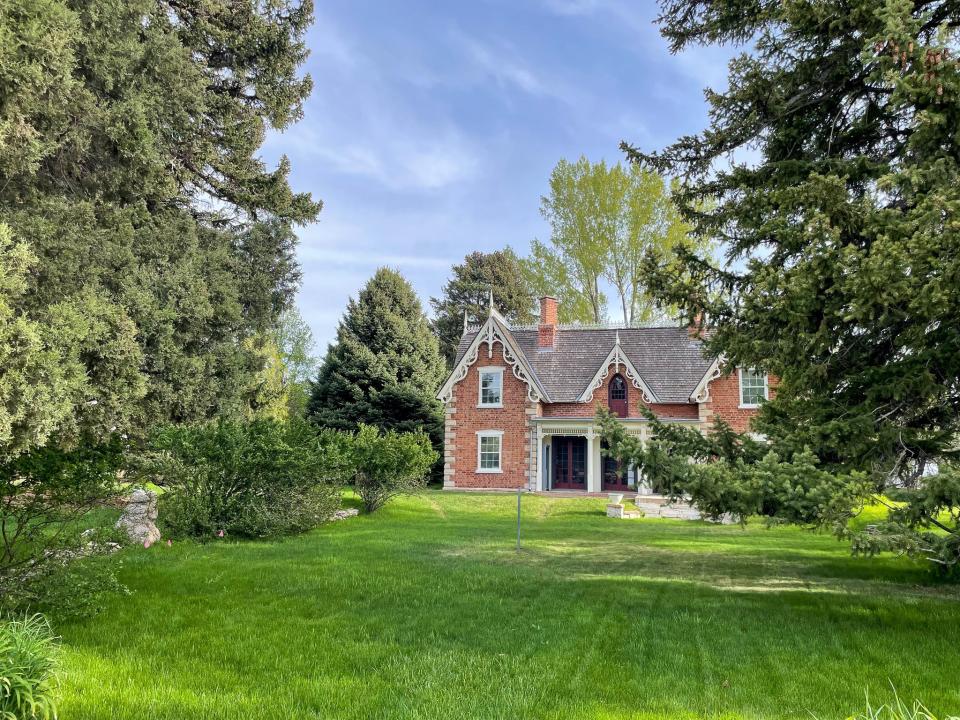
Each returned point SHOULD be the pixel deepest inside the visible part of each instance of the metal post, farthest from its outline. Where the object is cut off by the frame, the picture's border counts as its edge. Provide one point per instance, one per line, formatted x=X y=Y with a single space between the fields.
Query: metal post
x=519 y=493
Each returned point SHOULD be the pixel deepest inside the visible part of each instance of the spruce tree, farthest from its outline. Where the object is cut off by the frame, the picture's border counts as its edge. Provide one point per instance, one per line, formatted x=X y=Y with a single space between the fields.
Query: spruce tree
x=842 y=268
x=385 y=367
x=468 y=290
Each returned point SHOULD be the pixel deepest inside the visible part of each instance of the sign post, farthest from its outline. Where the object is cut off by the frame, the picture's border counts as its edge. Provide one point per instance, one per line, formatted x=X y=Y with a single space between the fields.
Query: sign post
x=519 y=493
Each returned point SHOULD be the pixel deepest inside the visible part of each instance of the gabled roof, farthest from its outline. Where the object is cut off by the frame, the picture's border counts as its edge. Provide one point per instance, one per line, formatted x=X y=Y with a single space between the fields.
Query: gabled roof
x=494 y=330
x=669 y=362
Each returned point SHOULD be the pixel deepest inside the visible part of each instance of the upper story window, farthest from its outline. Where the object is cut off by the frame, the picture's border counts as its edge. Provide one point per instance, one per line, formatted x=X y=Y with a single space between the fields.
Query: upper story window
x=617 y=396
x=754 y=388
x=491 y=387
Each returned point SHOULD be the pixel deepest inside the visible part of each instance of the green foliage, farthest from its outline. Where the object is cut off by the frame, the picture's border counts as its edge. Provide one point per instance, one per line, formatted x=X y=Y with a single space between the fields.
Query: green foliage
x=925 y=526
x=36 y=386
x=468 y=291
x=898 y=710
x=149 y=240
x=46 y=493
x=725 y=473
x=262 y=478
x=385 y=367
x=842 y=250
x=387 y=464
x=119 y=124
x=29 y=661
x=603 y=222
x=294 y=342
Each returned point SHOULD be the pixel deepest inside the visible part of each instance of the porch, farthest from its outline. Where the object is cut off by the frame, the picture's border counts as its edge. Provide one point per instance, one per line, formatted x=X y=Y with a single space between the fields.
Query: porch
x=568 y=459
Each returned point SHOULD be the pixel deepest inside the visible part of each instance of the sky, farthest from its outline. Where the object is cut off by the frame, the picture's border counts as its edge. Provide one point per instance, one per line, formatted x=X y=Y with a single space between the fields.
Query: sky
x=433 y=127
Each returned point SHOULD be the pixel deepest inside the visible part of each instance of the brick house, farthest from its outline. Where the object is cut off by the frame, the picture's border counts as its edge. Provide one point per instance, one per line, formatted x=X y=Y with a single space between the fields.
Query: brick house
x=520 y=402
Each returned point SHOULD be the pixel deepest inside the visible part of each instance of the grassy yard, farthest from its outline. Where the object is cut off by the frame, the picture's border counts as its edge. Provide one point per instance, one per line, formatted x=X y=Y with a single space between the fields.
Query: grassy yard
x=425 y=610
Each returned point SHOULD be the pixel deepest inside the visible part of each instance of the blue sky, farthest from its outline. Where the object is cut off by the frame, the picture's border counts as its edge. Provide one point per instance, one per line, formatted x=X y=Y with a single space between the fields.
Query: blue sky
x=433 y=127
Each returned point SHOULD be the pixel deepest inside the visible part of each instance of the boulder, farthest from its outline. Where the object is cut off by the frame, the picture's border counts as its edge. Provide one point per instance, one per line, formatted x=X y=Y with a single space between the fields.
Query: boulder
x=139 y=516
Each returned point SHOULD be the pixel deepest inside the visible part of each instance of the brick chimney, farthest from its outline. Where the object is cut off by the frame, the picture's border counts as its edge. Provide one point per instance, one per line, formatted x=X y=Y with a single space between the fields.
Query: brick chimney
x=547 y=330
x=695 y=331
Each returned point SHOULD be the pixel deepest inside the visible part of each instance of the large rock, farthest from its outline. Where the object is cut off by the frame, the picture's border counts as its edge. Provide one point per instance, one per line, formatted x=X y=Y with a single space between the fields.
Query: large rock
x=139 y=516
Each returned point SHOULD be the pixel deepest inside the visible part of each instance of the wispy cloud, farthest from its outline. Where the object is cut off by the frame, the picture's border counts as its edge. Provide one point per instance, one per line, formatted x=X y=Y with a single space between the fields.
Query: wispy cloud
x=367 y=259
x=499 y=60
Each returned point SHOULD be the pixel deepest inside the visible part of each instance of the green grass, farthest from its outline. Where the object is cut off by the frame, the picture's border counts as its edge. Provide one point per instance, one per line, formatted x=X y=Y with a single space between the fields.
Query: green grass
x=425 y=610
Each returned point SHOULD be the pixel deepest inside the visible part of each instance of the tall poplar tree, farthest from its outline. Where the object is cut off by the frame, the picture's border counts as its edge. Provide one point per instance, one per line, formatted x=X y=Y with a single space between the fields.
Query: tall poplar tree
x=603 y=220
x=842 y=267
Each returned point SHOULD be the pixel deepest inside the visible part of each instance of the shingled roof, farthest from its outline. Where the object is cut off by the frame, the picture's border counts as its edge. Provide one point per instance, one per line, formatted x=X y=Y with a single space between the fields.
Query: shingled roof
x=670 y=362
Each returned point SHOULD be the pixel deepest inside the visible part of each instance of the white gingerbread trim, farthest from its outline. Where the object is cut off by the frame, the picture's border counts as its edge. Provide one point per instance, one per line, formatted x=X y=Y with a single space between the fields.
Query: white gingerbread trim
x=618 y=357
x=701 y=393
x=492 y=331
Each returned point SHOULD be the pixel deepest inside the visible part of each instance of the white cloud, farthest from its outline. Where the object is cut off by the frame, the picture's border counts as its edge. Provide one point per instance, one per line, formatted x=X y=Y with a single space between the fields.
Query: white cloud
x=504 y=70
x=368 y=259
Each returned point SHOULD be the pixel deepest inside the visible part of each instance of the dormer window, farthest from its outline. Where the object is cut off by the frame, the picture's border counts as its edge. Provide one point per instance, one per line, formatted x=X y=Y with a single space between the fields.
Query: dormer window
x=754 y=388
x=491 y=387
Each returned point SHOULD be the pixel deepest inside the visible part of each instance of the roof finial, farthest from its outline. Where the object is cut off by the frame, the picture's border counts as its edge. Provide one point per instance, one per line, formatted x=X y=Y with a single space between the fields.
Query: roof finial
x=490 y=307
x=465 y=324
x=618 y=336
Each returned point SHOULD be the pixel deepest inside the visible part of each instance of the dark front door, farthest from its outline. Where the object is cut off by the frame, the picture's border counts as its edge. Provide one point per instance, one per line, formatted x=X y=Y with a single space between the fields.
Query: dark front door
x=614 y=475
x=570 y=463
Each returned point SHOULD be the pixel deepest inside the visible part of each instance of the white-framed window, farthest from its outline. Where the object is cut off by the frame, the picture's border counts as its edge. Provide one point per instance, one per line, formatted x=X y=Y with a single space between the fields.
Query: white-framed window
x=753 y=388
x=491 y=387
x=489 y=446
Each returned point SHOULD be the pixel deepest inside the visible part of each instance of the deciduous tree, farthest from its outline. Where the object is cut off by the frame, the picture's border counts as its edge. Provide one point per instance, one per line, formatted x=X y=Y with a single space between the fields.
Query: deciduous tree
x=603 y=221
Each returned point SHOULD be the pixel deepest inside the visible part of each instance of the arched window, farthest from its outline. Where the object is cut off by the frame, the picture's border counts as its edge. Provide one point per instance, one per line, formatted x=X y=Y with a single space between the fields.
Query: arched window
x=617 y=399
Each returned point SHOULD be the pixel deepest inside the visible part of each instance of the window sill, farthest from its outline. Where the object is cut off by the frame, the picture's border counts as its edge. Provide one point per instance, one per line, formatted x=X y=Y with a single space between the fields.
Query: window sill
x=490 y=471
x=498 y=406
x=748 y=407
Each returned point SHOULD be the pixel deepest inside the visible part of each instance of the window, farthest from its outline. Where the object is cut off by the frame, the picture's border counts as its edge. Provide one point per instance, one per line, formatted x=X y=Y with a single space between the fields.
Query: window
x=488 y=450
x=491 y=387
x=753 y=388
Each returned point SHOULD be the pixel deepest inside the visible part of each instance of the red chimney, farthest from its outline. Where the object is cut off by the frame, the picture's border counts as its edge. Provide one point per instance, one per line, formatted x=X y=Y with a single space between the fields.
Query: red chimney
x=547 y=330
x=696 y=328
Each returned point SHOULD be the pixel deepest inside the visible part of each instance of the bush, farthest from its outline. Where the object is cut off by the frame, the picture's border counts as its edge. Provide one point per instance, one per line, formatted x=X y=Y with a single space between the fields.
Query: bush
x=47 y=497
x=389 y=464
x=28 y=664
x=262 y=478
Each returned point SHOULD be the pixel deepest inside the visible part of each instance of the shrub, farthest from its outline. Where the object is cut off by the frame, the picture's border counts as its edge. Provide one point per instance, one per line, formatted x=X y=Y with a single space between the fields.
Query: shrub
x=46 y=499
x=28 y=664
x=261 y=478
x=389 y=464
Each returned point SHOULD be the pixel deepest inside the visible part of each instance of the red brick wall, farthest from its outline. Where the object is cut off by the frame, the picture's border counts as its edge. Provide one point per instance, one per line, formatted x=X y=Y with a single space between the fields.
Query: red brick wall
x=725 y=402
x=634 y=399
x=464 y=419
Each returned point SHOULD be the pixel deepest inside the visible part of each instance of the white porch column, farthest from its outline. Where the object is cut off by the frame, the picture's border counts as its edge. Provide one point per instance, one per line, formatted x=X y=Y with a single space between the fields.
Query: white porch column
x=538 y=482
x=593 y=480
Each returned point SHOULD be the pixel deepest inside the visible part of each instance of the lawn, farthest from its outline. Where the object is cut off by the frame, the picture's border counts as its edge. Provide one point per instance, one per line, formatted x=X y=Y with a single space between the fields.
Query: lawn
x=425 y=610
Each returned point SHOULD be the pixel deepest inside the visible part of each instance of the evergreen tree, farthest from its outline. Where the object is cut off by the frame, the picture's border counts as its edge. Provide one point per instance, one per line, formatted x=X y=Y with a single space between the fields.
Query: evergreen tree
x=385 y=367
x=469 y=291
x=842 y=271
x=119 y=124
